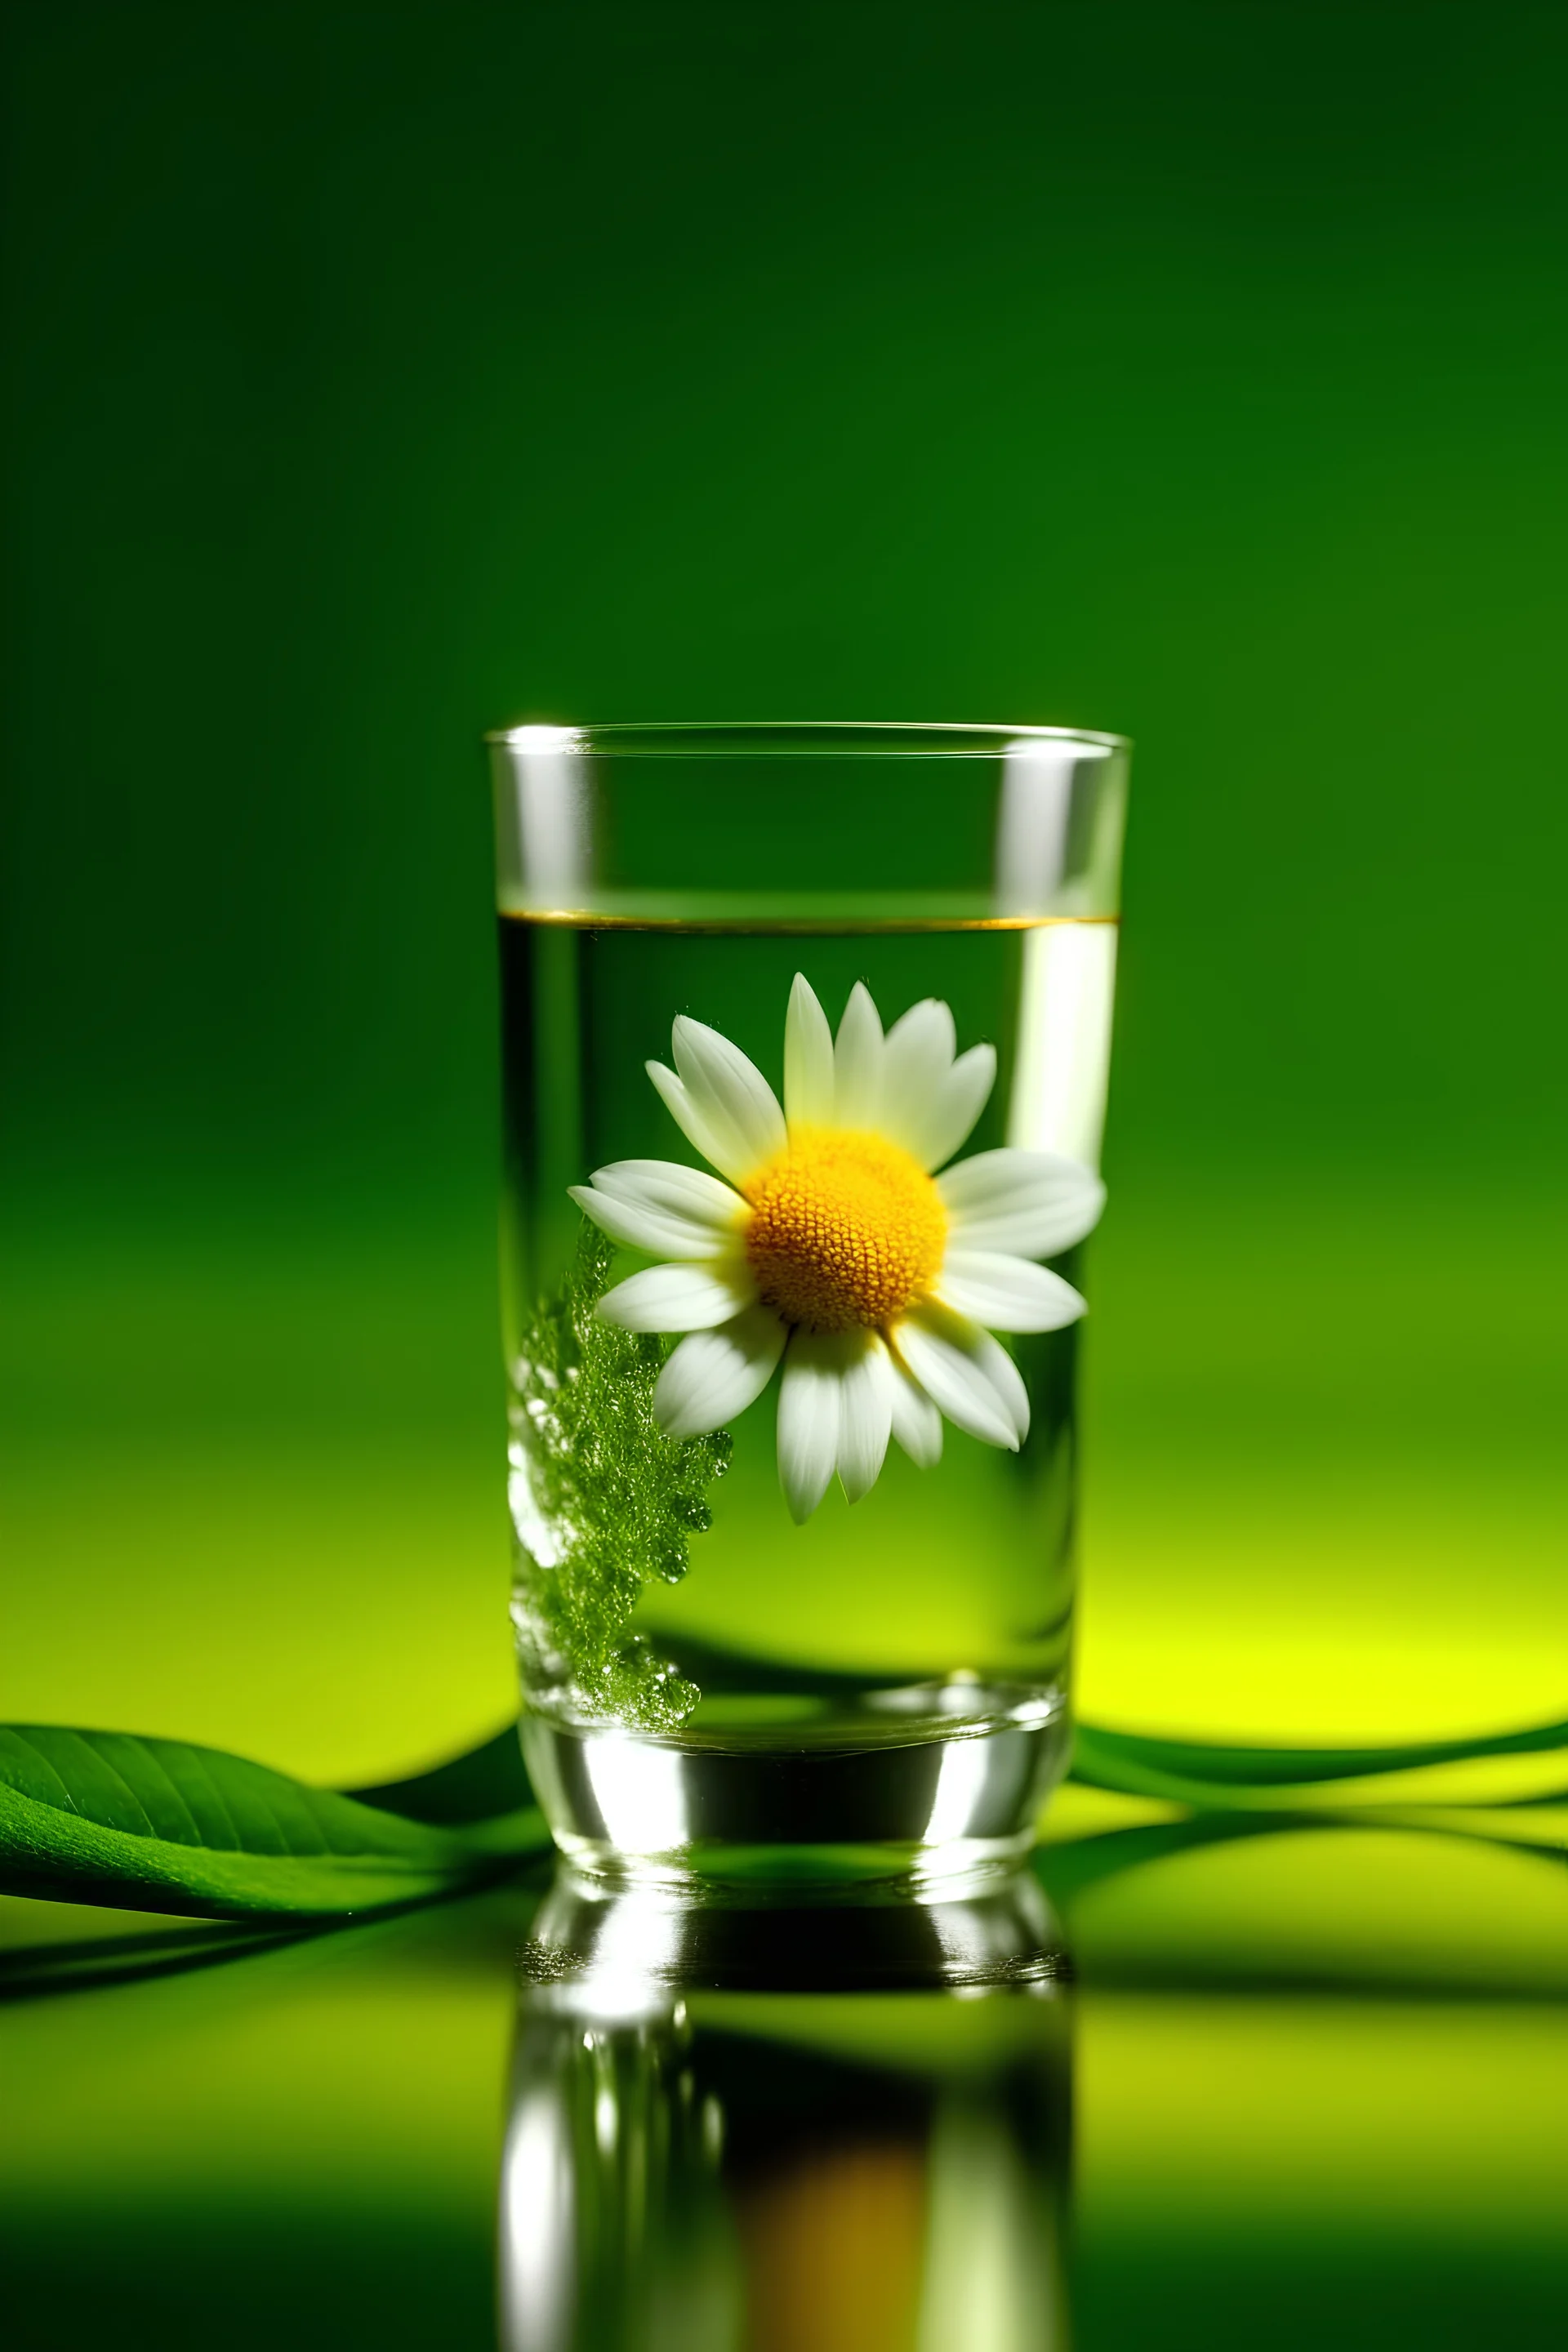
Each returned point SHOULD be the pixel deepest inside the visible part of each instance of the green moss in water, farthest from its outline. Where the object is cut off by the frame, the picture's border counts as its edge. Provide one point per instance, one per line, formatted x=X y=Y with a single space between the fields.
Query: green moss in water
x=614 y=1503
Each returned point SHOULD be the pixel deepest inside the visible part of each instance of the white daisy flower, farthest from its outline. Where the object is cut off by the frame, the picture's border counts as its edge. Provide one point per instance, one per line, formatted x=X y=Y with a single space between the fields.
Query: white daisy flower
x=835 y=1246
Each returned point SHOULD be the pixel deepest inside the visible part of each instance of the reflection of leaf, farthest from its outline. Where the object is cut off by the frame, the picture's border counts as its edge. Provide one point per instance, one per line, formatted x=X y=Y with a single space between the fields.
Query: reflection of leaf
x=153 y=1825
x=1299 y=1902
x=604 y=1503
x=82 y=1961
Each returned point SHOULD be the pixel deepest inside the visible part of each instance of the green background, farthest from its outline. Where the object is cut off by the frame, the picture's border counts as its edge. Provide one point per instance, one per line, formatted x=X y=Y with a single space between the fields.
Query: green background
x=383 y=373
x=377 y=373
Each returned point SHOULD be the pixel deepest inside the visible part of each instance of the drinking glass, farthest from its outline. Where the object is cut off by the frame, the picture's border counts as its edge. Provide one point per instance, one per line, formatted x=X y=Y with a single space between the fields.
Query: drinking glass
x=805 y=1031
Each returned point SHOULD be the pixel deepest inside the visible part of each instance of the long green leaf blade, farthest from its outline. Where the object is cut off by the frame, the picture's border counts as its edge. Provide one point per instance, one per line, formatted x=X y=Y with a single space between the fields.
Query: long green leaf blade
x=106 y=1817
x=1101 y=1749
x=159 y=1824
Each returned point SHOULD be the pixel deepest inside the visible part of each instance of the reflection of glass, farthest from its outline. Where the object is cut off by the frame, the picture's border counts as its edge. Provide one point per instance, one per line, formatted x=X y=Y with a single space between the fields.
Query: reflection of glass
x=730 y=1669
x=751 y=2168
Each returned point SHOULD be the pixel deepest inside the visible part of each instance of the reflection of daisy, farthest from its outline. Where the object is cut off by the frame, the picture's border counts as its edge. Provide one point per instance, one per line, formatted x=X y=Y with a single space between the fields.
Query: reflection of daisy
x=838 y=1249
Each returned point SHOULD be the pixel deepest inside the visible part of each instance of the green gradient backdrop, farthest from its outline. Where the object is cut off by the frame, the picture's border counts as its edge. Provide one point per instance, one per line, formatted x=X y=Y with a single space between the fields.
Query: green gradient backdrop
x=382 y=372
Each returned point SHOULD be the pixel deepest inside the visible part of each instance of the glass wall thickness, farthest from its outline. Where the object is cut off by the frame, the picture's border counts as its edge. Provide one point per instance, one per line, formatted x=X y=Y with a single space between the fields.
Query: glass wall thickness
x=873 y=969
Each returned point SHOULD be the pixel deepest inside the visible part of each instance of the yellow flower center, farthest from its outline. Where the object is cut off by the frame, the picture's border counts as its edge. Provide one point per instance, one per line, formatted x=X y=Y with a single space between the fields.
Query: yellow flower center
x=846 y=1229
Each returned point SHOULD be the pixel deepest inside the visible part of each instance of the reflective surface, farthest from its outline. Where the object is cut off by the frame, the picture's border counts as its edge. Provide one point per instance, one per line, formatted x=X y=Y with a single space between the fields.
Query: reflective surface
x=1306 y=2086
x=699 y=2154
x=636 y=1948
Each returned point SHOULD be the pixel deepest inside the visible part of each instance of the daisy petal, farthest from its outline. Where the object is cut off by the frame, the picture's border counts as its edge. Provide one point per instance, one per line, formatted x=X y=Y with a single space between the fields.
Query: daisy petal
x=915 y=1060
x=809 y=1059
x=660 y=1206
x=858 y=1061
x=714 y=1375
x=808 y=1421
x=715 y=1139
x=917 y=1424
x=637 y=1225
x=962 y=1097
x=666 y=1185
x=1007 y=1293
x=1030 y=1203
x=679 y=1298
x=731 y=1093
x=1006 y=1379
x=952 y=1361
x=865 y=1416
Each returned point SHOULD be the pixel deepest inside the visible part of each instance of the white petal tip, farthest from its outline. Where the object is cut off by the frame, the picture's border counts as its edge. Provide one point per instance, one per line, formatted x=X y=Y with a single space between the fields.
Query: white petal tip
x=800 y=1506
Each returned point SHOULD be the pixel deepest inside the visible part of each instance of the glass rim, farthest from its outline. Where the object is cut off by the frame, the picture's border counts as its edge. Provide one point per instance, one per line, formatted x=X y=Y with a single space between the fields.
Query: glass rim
x=863 y=738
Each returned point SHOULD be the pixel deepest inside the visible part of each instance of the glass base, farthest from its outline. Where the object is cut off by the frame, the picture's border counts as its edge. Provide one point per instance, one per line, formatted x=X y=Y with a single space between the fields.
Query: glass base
x=918 y=1798
x=598 y=1949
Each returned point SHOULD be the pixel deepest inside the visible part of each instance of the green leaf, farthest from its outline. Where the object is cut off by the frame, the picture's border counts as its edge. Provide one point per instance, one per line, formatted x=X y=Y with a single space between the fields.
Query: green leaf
x=155 y=1824
x=1277 y=1779
x=158 y=1825
x=474 y=1786
x=1099 y=1750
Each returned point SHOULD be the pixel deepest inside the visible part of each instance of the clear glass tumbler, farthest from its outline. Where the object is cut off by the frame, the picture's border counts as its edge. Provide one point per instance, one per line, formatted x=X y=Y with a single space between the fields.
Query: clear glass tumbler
x=804 y=1035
